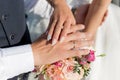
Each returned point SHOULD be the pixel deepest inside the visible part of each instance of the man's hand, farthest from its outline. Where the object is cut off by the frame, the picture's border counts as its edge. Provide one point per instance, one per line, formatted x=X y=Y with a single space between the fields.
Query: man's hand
x=45 y=53
x=60 y=22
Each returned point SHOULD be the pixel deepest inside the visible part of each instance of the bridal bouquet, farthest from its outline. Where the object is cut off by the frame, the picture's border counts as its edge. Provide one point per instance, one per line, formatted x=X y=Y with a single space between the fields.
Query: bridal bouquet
x=69 y=69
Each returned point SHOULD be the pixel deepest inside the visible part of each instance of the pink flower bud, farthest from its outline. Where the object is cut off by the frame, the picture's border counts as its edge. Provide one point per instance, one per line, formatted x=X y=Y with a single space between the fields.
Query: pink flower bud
x=83 y=62
x=70 y=68
x=34 y=70
x=58 y=64
x=91 y=56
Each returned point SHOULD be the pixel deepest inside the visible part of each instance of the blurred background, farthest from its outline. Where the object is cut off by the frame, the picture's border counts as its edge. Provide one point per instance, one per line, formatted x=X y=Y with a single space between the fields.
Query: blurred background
x=117 y=2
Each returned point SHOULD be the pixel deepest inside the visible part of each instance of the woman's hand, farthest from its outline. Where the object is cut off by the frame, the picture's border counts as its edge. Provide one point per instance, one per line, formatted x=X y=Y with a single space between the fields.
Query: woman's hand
x=60 y=22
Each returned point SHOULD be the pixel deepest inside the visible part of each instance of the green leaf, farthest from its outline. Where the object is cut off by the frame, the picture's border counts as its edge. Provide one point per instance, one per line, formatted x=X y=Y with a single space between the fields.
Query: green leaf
x=101 y=55
x=86 y=72
x=76 y=69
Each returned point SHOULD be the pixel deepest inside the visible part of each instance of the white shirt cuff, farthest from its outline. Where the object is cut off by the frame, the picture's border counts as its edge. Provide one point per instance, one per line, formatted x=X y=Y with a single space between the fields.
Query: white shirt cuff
x=17 y=60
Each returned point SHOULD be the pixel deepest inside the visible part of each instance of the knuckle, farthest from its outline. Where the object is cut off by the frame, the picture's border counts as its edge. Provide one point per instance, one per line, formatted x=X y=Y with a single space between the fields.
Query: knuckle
x=61 y=18
x=67 y=27
x=63 y=33
x=86 y=52
x=82 y=52
x=78 y=34
x=78 y=53
x=89 y=42
x=55 y=36
x=69 y=20
x=79 y=44
x=57 y=28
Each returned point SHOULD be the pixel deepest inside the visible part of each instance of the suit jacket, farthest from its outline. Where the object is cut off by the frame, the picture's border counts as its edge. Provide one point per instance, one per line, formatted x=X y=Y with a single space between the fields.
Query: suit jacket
x=12 y=22
x=117 y=2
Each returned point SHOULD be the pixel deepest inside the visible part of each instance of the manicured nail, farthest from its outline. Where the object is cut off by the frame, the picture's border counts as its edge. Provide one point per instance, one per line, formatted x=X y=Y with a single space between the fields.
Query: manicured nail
x=62 y=39
x=54 y=42
x=48 y=37
x=83 y=26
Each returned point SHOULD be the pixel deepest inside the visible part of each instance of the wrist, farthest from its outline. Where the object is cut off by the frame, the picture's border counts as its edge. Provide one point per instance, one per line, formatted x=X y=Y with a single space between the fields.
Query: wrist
x=57 y=2
x=35 y=56
x=91 y=34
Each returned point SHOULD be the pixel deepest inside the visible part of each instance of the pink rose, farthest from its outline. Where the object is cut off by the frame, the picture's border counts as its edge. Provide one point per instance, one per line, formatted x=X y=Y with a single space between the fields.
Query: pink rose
x=91 y=56
x=70 y=68
x=83 y=61
x=58 y=64
x=34 y=70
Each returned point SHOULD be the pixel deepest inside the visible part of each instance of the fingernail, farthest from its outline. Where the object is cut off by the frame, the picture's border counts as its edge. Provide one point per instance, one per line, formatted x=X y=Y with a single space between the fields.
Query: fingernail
x=54 y=42
x=48 y=37
x=62 y=39
x=83 y=26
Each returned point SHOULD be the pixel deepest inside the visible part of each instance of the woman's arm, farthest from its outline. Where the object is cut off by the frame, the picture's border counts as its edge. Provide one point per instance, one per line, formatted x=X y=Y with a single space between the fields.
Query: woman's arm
x=95 y=15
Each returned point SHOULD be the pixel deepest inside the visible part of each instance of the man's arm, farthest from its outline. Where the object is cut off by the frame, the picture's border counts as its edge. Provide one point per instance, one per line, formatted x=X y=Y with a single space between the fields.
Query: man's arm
x=15 y=61
x=21 y=59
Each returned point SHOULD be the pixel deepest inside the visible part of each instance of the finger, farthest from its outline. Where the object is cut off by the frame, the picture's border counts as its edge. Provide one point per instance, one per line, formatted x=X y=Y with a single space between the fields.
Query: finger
x=73 y=53
x=75 y=28
x=65 y=30
x=82 y=52
x=52 y=25
x=77 y=45
x=78 y=36
x=57 y=31
x=106 y=13
x=73 y=22
x=81 y=44
x=104 y=17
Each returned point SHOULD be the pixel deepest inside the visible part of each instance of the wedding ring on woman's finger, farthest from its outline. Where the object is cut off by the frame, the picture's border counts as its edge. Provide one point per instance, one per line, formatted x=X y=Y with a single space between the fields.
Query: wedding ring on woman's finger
x=74 y=44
